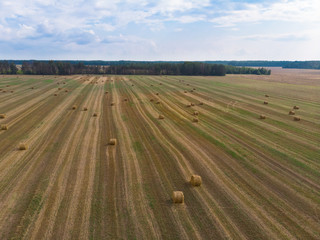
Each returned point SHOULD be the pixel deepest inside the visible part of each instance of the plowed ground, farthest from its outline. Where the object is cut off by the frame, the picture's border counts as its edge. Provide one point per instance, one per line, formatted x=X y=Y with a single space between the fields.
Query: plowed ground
x=261 y=177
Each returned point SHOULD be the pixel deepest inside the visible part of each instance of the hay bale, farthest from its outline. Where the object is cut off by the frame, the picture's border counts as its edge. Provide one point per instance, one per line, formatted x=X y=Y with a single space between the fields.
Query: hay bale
x=55 y=94
x=4 y=127
x=2 y=116
x=151 y=85
x=158 y=102
x=157 y=93
x=188 y=84
x=265 y=102
x=85 y=109
x=194 y=89
x=132 y=85
x=262 y=117
x=296 y=107
x=66 y=90
x=32 y=87
x=266 y=95
x=112 y=104
x=160 y=83
x=161 y=116
x=296 y=118
x=95 y=114
x=292 y=112
x=12 y=91
x=191 y=90
x=195 y=113
x=126 y=99
x=74 y=107
x=59 y=88
x=23 y=146
x=185 y=91
x=188 y=105
x=192 y=104
x=151 y=100
x=107 y=92
x=195 y=120
x=112 y=141
x=177 y=197
x=200 y=103
x=196 y=180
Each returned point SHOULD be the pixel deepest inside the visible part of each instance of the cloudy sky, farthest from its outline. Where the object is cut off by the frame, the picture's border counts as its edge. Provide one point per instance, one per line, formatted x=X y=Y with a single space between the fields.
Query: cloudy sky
x=160 y=29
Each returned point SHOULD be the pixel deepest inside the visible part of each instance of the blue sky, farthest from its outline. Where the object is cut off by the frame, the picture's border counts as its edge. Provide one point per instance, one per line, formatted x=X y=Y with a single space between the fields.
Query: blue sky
x=160 y=30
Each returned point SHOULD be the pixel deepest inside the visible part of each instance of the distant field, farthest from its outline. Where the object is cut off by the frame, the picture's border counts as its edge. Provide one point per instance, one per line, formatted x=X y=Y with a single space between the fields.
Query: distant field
x=260 y=177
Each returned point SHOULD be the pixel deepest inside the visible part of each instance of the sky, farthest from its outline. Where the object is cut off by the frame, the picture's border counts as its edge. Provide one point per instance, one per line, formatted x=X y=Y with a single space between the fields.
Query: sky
x=169 y=30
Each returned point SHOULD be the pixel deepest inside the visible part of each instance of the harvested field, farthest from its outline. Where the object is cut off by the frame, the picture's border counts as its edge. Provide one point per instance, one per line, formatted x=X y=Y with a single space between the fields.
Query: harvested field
x=128 y=175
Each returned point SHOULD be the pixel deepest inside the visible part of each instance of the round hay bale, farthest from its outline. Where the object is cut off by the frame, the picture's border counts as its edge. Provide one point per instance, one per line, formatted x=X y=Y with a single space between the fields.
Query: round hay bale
x=66 y=90
x=192 y=104
x=2 y=116
x=195 y=120
x=151 y=100
x=55 y=94
x=177 y=197
x=200 y=103
x=112 y=141
x=188 y=105
x=191 y=90
x=59 y=88
x=151 y=85
x=32 y=87
x=23 y=146
x=296 y=107
x=160 y=83
x=11 y=91
x=296 y=118
x=158 y=102
x=64 y=82
x=4 y=91
x=85 y=109
x=157 y=93
x=125 y=99
x=112 y=104
x=132 y=85
x=185 y=91
x=74 y=107
x=194 y=89
x=4 y=127
x=196 y=180
x=161 y=116
x=188 y=84
x=195 y=113
x=95 y=114
x=292 y=112
x=265 y=102
x=107 y=92
x=262 y=117
x=266 y=95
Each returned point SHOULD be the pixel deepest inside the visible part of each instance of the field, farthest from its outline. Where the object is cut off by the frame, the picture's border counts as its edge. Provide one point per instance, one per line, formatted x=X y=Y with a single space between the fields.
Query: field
x=260 y=177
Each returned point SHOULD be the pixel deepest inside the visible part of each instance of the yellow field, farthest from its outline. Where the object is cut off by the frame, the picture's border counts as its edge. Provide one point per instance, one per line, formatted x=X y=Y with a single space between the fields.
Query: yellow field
x=260 y=177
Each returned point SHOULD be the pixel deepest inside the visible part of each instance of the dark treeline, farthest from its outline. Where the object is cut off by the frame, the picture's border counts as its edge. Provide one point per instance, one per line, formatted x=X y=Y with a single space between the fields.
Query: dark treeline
x=304 y=65
x=133 y=68
x=8 y=68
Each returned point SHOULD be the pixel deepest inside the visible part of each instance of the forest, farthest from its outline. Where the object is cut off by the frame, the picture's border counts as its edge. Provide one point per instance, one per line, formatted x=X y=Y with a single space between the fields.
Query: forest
x=128 y=68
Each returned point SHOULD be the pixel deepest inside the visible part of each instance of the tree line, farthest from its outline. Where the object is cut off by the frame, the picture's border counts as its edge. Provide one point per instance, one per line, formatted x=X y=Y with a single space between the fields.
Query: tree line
x=130 y=68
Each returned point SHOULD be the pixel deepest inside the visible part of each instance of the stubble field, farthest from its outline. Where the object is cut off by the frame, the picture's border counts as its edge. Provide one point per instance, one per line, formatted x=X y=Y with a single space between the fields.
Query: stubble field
x=260 y=177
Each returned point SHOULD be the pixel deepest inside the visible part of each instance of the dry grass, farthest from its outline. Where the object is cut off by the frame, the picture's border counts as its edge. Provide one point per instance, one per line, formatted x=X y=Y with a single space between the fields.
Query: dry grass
x=292 y=112
x=4 y=127
x=23 y=146
x=177 y=197
x=112 y=141
x=196 y=180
